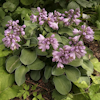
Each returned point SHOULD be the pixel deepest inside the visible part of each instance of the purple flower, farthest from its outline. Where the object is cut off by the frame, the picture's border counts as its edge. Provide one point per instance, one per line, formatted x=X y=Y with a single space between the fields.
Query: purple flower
x=68 y=53
x=39 y=9
x=76 y=38
x=60 y=65
x=87 y=33
x=77 y=21
x=41 y=22
x=12 y=34
x=76 y=31
x=53 y=25
x=44 y=43
x=33 y=18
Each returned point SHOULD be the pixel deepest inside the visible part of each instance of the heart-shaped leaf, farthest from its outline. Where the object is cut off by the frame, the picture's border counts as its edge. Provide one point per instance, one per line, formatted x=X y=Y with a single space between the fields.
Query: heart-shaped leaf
x=33 y=42
x=62 y=84
x=35 y=75
x=5 y=20
x=36 y=65
x=20 y=75
x=57 y=71
x=26 y=2
x=76 y=62
x=27 y=57
x=72 y=73
x=12 y=63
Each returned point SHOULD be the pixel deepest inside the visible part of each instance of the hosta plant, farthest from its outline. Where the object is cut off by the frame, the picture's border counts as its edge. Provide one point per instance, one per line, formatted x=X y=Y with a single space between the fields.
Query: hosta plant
x=50 y=46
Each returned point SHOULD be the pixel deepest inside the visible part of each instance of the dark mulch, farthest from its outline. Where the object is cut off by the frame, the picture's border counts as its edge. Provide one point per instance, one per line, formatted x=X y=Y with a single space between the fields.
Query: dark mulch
x=95 y=47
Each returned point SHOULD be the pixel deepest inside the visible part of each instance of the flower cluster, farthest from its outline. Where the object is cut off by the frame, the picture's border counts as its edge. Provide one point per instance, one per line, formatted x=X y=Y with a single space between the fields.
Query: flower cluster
x=71 y=17
x=12 y=34
x=54 y=18
x=44 y=43
x=68 y=53
x=86 y=32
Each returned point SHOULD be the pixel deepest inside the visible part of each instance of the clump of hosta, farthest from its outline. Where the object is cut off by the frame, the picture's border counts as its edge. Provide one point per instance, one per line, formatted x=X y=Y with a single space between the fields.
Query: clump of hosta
x=53 y=45
x=75 y=48
x=12 y=34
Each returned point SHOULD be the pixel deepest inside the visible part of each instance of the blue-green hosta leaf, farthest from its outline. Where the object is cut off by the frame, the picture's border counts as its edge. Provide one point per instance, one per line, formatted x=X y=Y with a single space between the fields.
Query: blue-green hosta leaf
x=33 y=42
x=20 y=75
x=62 y=84
x=2 y=14
x=35 y=75
x=79 y=97
x=72 y=73
x=12 y=63
x=57 y=96
x=29 y=30
x=14 y=1
x=88 y=66
x=5 y=20
x=72 y=5
x=82 y=82
x=76 y=62
x=47 y=72
x=27 y=57
x=10 y=5
x=25 y=2
x=57 y=71
x=27 y=22
x=65 y=40
x=9 y=93
x=84 y=3
x=65 y=30
x=36 y=65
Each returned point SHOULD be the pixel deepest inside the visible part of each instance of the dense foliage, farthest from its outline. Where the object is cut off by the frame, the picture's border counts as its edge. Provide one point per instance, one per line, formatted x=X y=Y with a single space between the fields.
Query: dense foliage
x=47 y=43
